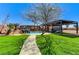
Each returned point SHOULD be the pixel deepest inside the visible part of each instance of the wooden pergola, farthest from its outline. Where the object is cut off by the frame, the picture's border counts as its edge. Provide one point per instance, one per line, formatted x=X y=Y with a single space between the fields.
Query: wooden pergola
x=63 y=22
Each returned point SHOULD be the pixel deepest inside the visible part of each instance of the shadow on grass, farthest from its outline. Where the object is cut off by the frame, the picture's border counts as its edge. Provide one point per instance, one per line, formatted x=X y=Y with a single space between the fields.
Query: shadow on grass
x=67 y=35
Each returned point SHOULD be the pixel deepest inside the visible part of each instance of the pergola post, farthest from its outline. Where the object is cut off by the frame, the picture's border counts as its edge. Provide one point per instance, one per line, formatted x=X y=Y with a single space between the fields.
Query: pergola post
x=61 y=30
x=77 y=28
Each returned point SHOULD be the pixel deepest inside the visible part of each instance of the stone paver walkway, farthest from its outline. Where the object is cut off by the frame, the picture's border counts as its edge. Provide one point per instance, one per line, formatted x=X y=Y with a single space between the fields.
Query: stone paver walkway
x=30 y=47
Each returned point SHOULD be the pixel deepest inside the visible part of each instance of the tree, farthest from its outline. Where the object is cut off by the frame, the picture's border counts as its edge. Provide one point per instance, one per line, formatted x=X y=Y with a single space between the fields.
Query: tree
x=4 y=22
x=48 y=13
x=12 y=26
x=33 y=17
x=43 y=13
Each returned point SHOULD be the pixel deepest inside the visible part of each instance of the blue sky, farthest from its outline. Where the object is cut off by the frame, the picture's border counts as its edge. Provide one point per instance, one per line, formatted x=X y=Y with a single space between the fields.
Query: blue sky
x=69 y=12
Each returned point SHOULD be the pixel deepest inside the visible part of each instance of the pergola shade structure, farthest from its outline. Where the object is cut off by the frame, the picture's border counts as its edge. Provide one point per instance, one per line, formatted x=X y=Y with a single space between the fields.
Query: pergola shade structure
x=62 y=22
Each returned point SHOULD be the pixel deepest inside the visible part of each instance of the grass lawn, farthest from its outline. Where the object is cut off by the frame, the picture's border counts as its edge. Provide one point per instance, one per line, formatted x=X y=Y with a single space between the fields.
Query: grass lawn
x=11 y=45
x=54 y=44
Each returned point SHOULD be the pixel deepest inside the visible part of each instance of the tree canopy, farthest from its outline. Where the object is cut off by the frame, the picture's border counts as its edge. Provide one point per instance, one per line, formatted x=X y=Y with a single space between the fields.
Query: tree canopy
x=43 y=13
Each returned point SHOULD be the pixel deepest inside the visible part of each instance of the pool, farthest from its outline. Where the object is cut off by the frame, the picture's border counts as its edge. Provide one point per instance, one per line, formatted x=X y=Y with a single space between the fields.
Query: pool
x=35 y=33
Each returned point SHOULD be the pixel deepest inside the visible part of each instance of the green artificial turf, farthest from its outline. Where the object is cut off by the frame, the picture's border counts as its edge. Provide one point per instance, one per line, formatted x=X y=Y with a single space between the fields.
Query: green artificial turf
x=54 y=44
x=11 y=45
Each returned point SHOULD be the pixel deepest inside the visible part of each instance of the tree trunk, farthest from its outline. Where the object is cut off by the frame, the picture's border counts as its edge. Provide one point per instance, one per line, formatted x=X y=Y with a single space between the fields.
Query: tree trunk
x=44 y=30
x=34 y=27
